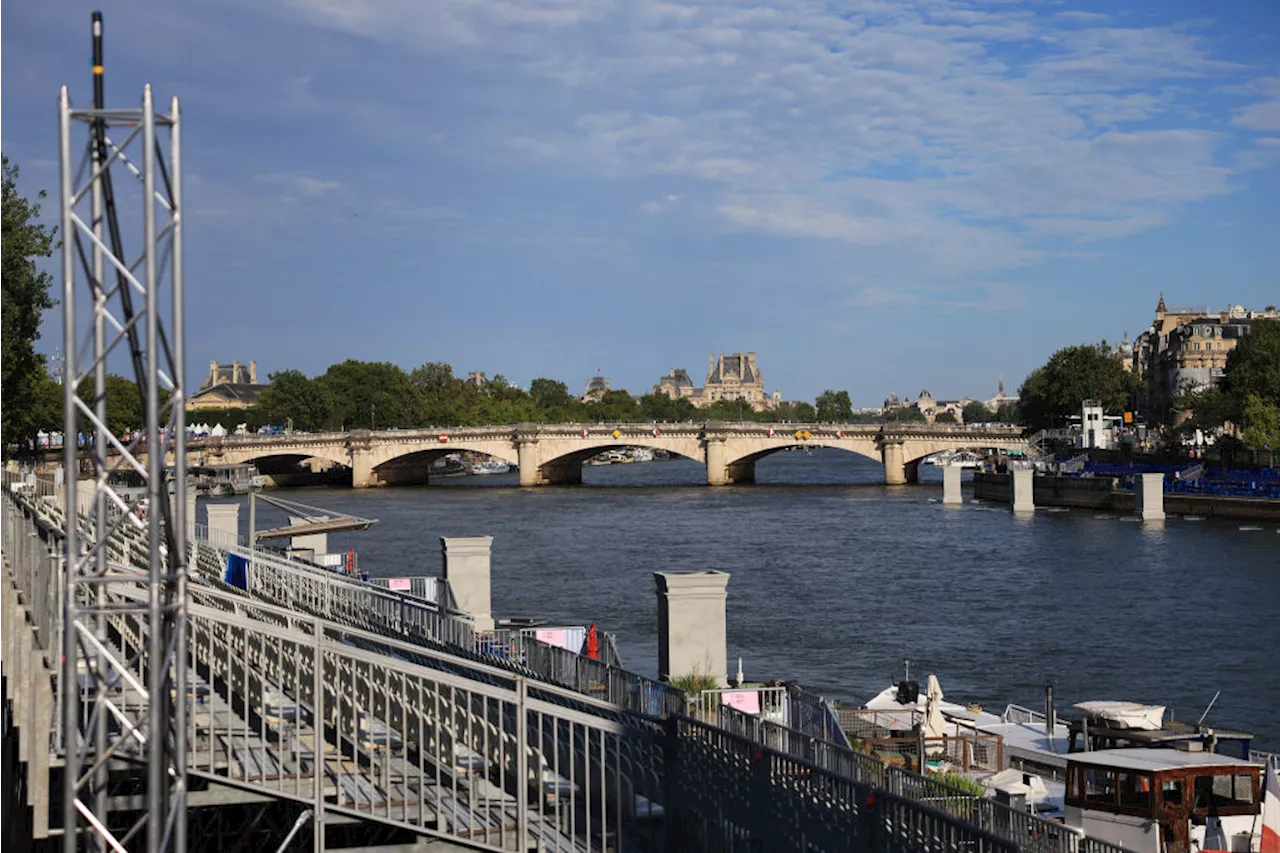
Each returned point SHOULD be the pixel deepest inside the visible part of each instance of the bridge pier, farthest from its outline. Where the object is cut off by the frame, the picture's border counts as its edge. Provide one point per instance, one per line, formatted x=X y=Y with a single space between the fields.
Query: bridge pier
x=721 y=472
x=392 y=474
x=895 y=469
x=362 y=476
x=527 y=454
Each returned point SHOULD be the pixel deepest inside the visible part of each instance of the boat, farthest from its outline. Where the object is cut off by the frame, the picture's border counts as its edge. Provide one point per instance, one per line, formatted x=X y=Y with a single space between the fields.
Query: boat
x=1161 y=800
x=490 y=466
x=1125 y=715
x=222 y=480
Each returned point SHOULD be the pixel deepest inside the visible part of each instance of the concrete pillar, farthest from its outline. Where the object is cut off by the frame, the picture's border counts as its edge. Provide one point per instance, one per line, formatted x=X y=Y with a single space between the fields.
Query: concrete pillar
x=691 y=624
x=717 y=468
x=224 y=523
x=951 y=485
x=895 y=473
x=362 y=476
x=1149 y=491
x=466 y=566
x=527 y=448
x=1022 y=489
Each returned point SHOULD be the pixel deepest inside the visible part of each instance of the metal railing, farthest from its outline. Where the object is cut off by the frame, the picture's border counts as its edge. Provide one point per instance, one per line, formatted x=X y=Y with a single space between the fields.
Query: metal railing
x=1026 y=831
x=350 y=601
x=728 y=793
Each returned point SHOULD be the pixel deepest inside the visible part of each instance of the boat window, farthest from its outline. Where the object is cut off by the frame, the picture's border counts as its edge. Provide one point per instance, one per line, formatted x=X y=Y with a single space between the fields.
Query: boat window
x=1135 y=790
x=1224 y=791
x=1171 y=791
x=1100 y=786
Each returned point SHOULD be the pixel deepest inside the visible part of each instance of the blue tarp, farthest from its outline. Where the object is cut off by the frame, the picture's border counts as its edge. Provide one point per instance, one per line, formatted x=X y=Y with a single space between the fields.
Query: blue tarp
x=237 y=573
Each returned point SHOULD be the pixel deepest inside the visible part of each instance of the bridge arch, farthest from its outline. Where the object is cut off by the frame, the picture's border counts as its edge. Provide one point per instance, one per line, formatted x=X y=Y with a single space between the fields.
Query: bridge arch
x=557 y=465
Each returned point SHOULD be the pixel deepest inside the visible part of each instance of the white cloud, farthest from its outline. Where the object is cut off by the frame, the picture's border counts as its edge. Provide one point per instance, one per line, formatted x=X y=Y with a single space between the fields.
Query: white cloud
x=304 y=184
x=937 y=140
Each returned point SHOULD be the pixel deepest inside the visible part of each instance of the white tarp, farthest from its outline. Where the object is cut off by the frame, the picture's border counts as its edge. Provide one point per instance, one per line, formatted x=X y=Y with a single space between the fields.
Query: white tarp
x=1126 y=715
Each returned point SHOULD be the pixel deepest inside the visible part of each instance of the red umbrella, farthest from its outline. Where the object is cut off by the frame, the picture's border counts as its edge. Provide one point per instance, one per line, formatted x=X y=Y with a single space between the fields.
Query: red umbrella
x=593 y=643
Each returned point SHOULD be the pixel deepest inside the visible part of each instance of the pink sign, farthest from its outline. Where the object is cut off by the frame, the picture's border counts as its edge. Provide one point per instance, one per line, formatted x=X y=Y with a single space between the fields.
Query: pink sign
x=399 y=583
x=747 y=701
x=551 y=636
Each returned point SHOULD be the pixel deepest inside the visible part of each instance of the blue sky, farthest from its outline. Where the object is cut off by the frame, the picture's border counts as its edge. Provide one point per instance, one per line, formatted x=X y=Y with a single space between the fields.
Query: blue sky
x=880 y=196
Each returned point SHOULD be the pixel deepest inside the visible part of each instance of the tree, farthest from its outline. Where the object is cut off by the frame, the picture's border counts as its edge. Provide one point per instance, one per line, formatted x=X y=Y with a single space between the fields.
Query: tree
x=550 y=394
x=1057 y=390
x=976 y=413
x=614 y=406
x=26 y=295
x=834 y=406
x=1253 y=367
x=944 y=416
x=1260 y=419
x=368 y=394
x=292 y=396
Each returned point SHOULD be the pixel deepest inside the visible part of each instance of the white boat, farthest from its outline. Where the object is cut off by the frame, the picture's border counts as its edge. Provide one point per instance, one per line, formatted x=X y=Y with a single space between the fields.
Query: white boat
x=492 y=466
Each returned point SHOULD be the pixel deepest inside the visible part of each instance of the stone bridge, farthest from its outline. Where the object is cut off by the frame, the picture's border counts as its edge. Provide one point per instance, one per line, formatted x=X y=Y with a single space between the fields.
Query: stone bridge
x=554 y=453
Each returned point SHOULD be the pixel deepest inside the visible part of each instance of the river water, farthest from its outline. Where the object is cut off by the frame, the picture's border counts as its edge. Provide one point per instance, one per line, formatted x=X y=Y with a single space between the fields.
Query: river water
x=836 y=578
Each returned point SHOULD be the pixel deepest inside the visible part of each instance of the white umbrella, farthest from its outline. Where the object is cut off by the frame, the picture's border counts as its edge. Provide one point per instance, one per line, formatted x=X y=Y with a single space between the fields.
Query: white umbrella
x=934 y=724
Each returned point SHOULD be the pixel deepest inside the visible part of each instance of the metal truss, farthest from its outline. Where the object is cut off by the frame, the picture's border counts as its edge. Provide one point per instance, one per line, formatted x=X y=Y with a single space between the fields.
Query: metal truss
x=122 y=701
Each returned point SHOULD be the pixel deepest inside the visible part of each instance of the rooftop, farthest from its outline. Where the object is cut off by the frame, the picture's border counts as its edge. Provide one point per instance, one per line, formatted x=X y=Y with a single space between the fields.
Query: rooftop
x=1149 y=759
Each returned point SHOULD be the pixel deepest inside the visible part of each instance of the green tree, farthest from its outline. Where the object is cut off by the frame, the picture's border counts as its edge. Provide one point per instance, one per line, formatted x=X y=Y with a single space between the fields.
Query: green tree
x=615 y=407
x=1057 y=390
x=834 y=406
x=1260 y=419
x=660 y=407
x=292 y=396
x=367 y=394
x=1253 y=367
x=550 y=394
x=124 y=404
x=976 y=413
x=945 y=417
x=26 y=295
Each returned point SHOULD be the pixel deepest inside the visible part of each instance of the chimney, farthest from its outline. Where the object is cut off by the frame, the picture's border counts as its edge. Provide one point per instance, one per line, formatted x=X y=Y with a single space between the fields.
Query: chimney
x=253 y=373
x=213 y=373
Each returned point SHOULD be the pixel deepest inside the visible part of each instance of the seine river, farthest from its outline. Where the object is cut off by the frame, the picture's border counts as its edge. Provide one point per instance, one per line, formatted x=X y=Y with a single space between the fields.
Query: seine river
x=836 y=578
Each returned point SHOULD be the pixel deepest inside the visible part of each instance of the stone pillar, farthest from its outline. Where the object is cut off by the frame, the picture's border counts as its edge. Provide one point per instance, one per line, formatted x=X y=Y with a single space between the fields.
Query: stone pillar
x=362 y=476
x=1149 y=491
x=527 y=448
x=717 y=468
x=224 y=523
x=691 y=625
x=951 y=485
x=466 y=566
x=895 y=469
x=1022 y=483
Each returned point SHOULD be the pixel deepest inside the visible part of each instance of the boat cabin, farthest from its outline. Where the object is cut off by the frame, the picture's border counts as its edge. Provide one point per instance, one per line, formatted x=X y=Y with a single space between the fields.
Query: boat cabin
x=1159 y=800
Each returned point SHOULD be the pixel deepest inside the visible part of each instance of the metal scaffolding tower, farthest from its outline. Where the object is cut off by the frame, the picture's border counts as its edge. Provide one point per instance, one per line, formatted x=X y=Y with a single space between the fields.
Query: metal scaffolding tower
x=123 y=698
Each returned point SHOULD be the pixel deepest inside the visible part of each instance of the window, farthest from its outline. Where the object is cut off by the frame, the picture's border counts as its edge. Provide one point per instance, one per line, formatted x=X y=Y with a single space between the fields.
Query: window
x=1224 y=792
x=1100 y=786
x=1135 y=791
x=1171 y=792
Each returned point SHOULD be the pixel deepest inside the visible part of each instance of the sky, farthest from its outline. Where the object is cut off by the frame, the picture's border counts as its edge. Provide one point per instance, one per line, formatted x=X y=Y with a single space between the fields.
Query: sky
x=881 y=196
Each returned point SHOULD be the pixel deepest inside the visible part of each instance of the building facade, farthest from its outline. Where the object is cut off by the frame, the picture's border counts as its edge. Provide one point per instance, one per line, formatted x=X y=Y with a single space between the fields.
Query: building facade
x=731 y=378
x=1186 y=349
x=228 y=386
